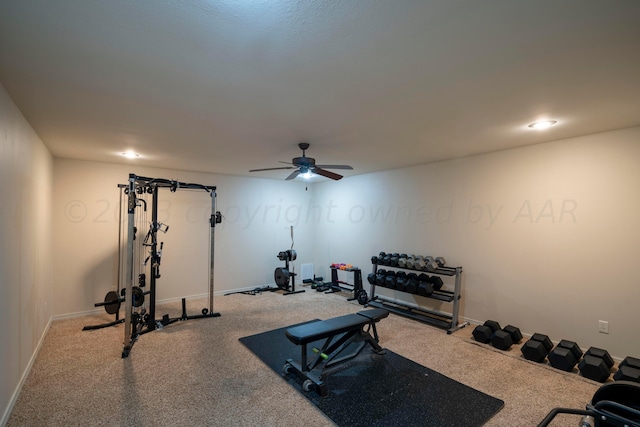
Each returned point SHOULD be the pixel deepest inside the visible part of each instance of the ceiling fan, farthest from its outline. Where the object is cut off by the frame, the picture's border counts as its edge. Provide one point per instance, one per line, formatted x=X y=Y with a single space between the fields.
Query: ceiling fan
x=306 y=164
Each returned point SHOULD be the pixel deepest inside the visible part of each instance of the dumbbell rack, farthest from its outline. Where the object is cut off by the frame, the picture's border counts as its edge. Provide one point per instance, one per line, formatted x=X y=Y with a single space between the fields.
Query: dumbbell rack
x=338 y=285
x=436 y=318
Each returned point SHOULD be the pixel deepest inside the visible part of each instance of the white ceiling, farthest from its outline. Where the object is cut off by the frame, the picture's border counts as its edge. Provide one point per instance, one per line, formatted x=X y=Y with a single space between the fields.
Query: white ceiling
x=225 y=86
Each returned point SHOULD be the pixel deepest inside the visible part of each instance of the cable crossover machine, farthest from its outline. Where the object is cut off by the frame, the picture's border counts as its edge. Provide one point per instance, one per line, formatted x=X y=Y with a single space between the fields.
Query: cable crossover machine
x=142 y=257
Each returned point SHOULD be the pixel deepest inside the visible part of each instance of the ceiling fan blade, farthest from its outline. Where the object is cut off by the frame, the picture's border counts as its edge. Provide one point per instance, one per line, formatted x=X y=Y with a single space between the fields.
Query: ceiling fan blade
x=326 y=173
x=271 y=169
x=335 y=167
x=286 y=163
x=293 y=175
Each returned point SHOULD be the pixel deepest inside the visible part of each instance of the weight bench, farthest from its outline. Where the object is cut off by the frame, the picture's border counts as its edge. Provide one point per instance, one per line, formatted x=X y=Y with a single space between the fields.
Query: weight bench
x=615 y=404
x=340 y=334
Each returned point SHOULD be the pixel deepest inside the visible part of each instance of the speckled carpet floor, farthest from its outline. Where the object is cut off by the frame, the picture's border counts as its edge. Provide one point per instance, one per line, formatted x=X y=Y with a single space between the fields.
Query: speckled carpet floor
x=198 y=373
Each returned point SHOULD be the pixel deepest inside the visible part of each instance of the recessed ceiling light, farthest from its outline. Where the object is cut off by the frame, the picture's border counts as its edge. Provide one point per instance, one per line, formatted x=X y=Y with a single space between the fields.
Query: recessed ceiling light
x=130 y=155
x=543 y=124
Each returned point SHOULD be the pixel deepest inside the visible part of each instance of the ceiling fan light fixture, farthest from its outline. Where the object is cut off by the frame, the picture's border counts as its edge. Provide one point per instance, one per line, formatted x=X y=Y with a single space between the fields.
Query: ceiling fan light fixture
x=542 y=124
x=306 y=175
x=130 y=155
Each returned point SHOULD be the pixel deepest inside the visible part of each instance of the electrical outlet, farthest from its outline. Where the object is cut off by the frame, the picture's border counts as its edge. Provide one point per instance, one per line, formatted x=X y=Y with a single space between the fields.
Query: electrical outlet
x=603 y=326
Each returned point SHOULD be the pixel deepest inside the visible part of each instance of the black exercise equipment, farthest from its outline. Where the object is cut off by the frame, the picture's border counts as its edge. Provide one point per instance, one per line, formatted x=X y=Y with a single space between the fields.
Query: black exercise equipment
x=371 y=278
x=284 y=278
x=596 y=364
x=288 y=255
x=337 y=285
x=565 y=355
x=537 y=348
x=506 y=337
x=143 y=253
x=341 y=335
x=628 y=370
x=614 y=404
x=401 y=280
x=483 y=333
x=411 y=262
x=390 y=280
x=380 y=276
x=421 y=284
x=412 y=283
x=425 y=288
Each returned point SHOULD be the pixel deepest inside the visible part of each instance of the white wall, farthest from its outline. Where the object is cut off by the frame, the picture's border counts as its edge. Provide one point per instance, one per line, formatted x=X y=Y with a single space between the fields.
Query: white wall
x=547 y=234
x=257 y=214
x=25 y=248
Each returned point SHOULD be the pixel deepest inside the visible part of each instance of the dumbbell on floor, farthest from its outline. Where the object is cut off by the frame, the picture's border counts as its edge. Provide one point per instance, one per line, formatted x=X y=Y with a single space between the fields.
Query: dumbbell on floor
x=565 y=355
x=628 y=370
x=596 y=364
x=482 y=333
x=502 y=339
x=537 y=348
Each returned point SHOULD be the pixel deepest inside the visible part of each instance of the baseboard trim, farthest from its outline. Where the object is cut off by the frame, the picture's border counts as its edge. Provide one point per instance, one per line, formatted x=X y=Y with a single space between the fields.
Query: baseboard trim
x=25 y=374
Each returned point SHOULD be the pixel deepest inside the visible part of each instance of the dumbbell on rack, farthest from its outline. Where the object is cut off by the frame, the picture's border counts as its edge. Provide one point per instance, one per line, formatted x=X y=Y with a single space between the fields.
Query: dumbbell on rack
x=596 y=364
x=565 y=355
x=401 y=280
x=628 y=370
x=402 y=261
x=412 y=283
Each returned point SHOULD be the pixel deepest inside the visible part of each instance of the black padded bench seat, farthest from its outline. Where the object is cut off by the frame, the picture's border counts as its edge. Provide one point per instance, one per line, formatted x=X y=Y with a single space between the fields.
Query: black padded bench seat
x=339 y=334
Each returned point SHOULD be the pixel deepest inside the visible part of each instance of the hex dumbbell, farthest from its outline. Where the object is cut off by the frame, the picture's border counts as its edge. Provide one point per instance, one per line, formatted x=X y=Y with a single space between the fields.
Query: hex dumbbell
x=537 y=348
x=628 y=370
x=565 y=355
x=412 y=283
x=410 y=262
x=402 y=261
x=482 y=333
x=380 y=275
x=371 y=278
x=425 y=288
x=390 y=280
x=401 y=280
x=596 y=364
x=393 y=260
x=504 y=338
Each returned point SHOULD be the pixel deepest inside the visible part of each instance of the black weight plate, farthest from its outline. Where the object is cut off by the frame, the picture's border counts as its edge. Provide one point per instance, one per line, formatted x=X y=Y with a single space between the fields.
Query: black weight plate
x=138 y=296
x=281 y=277
x=112 y=301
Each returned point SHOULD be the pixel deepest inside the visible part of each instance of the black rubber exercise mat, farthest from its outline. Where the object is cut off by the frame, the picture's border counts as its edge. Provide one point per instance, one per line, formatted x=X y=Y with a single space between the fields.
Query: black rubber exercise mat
x=381 y=390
